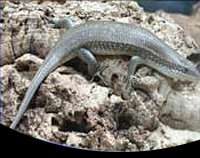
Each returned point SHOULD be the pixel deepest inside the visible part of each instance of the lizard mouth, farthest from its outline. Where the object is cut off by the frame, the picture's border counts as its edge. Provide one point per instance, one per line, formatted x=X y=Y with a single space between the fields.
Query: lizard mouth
x=196 y=73
x=198 y=68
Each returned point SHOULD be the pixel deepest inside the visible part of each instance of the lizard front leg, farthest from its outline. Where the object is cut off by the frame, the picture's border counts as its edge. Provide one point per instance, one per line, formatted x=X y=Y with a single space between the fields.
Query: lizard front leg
x=164 y=87
x=64 y=22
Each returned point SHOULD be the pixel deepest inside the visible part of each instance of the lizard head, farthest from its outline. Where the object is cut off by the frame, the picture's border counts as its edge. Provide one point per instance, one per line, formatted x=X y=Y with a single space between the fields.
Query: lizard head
x=198 y=72
x=192 y=65
x=193 y=74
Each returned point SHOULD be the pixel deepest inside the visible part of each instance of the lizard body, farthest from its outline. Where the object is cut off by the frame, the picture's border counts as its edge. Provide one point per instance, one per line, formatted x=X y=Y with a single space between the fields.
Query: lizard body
x=111 y=38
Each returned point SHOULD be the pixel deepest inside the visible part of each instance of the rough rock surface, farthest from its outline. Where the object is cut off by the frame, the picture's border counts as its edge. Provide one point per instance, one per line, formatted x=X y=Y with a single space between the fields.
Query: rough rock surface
x=71 y=110
x=190 y=24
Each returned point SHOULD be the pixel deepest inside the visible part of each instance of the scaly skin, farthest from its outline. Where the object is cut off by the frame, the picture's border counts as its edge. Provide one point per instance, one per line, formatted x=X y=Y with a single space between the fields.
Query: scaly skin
x=111 y=38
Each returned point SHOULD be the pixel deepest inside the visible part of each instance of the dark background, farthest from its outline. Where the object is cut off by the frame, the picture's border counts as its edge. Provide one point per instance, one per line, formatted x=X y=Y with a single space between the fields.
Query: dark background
x=183 y=7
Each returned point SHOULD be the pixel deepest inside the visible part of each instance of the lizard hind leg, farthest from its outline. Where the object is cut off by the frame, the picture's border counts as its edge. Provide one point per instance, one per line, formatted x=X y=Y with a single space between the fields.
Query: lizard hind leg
x=86 y=56
x=133 y=64
x=93 y=67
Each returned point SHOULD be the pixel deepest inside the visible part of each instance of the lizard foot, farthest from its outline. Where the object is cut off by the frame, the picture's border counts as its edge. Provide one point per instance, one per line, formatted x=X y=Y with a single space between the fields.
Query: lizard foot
x=130 y=82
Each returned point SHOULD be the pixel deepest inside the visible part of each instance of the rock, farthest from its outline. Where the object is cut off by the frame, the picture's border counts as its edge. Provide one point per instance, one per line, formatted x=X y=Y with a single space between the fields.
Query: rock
x=28 y=60
x=190 y=24
x=181 y=111
x=69 y=109
x=75 y=139
x=164 y=137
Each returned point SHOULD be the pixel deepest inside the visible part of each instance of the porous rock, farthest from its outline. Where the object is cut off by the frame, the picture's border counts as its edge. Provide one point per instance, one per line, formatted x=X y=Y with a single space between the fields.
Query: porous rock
x=71 y=110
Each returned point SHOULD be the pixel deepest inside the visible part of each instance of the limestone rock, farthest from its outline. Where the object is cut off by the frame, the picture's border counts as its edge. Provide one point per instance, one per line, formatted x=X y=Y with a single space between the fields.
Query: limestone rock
x=68 y=108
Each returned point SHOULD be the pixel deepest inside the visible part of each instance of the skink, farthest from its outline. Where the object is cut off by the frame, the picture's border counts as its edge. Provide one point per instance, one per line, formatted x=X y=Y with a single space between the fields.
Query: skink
x=111 y=38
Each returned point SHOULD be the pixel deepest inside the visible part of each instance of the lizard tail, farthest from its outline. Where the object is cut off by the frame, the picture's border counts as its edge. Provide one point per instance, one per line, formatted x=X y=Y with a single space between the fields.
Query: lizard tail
x=40 y=75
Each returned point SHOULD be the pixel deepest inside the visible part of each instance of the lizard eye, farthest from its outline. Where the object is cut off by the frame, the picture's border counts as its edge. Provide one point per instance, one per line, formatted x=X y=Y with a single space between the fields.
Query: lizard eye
x=183 y=69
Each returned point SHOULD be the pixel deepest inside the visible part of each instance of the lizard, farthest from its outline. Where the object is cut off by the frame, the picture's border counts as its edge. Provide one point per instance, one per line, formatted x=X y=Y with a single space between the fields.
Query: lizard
x=93 y=38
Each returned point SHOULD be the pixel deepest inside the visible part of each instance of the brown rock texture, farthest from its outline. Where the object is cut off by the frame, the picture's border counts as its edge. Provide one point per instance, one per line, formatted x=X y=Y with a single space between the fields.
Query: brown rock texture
x=71 y=110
